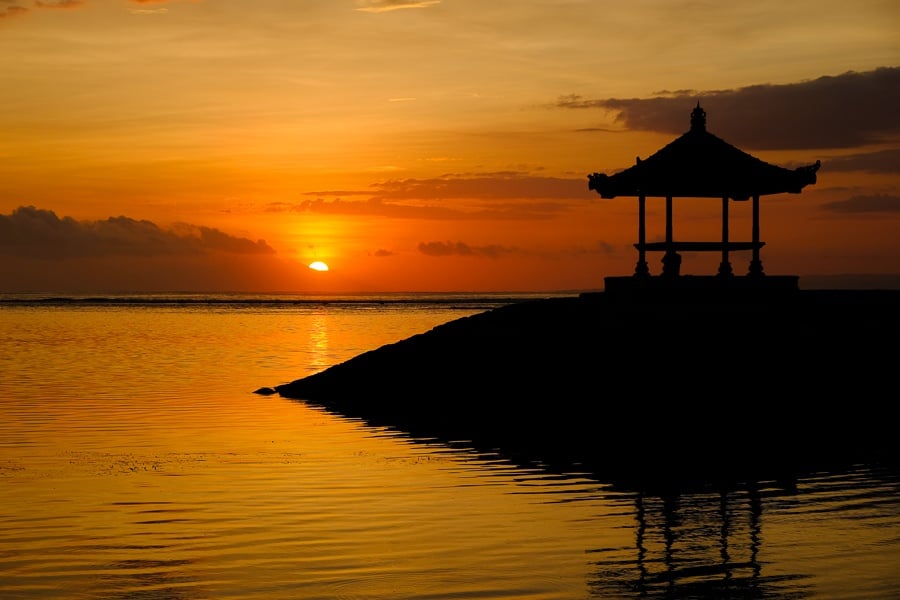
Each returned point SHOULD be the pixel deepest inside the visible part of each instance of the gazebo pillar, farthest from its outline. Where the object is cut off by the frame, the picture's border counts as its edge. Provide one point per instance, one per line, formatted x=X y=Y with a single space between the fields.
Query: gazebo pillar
x=725 y=266
x=756 y=267
x=641 y=269
x=671 y=259
x=669 y=220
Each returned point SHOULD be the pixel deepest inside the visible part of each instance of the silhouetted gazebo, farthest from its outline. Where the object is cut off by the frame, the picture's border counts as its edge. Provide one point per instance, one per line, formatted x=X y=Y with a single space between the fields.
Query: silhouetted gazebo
x=700 y=165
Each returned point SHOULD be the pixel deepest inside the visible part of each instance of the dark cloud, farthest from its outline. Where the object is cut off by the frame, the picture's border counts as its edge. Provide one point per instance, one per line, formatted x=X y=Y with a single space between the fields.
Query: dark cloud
x=463 y=249
x=877 y=203
x=29 y=232
x=381 y=253
x=843 y=111
x=884 y=161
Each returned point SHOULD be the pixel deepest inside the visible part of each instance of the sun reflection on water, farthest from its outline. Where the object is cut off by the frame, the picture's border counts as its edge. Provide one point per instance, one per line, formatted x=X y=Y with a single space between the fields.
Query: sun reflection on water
x=319 y=358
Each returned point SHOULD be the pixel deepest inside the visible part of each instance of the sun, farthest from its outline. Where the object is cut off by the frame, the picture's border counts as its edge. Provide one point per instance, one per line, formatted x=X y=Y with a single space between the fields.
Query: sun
x=318 y=266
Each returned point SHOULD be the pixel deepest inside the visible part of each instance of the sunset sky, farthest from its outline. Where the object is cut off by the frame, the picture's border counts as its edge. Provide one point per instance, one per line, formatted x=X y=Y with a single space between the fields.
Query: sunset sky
x=431 y=145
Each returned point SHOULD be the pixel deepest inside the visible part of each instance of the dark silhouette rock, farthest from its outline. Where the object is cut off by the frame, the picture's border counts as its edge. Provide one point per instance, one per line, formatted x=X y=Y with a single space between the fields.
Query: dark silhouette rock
x=645 y=388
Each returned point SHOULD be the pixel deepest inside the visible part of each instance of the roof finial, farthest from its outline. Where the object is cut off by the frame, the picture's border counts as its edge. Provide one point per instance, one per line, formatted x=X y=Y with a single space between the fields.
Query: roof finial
x=698 y=118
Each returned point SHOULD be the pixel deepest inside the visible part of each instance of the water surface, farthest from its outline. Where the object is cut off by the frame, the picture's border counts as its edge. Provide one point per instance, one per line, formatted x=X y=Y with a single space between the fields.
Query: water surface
x=135 y=462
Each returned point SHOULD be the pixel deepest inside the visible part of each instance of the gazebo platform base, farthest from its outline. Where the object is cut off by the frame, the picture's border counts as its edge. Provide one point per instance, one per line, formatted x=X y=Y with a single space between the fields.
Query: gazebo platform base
x=701 y=287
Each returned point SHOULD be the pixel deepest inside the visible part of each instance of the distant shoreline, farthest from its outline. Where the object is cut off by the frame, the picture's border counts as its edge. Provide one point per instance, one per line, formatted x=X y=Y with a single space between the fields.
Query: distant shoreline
x=676 y=390
x=464 y=300
x=844 y=282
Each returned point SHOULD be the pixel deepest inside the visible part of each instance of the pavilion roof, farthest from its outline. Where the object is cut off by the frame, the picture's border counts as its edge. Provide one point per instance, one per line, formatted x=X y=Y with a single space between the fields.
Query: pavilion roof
x=700 y=165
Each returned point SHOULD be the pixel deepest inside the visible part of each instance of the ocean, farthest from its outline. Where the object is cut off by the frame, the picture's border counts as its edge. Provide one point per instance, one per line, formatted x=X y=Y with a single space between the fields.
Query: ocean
x=136 y=462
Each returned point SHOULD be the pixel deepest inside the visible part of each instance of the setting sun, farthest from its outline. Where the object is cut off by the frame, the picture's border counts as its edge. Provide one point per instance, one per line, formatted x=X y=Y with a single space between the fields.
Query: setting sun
x=318 y=266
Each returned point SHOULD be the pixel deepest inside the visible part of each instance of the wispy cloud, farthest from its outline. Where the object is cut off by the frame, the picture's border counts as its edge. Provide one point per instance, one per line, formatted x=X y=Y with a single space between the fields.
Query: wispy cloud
x=883 y=161
x=29 y=232
x=149 y=11
x=377 y=6
x=877 y=203
x=843 y=111
x=10 y=8
x=370 y=208
x=13 y=8
x=441 y=249
x=501 y=196
x=508 y=211
x=59 y=3
x=498 y=185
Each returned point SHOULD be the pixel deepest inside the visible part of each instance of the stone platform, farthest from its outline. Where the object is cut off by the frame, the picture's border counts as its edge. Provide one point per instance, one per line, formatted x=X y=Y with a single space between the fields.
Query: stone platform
x=700 y=287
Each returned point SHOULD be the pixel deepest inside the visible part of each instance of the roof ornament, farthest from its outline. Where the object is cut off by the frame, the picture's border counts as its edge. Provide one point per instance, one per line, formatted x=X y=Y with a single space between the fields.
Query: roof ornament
x=698 y=118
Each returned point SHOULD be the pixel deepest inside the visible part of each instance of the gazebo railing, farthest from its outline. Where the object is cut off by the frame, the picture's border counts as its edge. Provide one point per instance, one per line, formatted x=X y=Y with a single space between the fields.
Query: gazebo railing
x=698 y=246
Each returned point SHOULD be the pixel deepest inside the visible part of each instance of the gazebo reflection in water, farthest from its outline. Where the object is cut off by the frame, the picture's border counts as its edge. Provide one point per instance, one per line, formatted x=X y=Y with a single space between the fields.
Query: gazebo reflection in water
x=697 y=546
x=700 y=165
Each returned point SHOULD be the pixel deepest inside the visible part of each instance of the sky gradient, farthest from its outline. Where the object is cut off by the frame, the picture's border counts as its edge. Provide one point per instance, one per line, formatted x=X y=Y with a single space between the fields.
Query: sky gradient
x=436 y=145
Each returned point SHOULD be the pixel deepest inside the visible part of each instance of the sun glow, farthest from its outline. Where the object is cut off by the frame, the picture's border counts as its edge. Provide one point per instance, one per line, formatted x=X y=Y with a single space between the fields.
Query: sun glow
x=318 y=266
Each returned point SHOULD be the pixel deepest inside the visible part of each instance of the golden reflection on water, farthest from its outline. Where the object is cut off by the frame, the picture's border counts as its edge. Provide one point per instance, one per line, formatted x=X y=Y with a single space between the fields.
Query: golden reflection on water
x=136 y=460
x=318 y=341
x=299 y=498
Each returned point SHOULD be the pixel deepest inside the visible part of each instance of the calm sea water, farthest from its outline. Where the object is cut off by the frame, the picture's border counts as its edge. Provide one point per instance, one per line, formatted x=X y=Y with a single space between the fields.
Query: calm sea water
x=137 y=463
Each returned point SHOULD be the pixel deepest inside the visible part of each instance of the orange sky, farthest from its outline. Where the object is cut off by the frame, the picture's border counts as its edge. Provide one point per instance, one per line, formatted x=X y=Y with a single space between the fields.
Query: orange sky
x=432 y=145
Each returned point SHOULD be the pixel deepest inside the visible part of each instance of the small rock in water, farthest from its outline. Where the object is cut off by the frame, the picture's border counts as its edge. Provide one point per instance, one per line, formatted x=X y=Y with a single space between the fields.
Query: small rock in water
x=265 y=391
